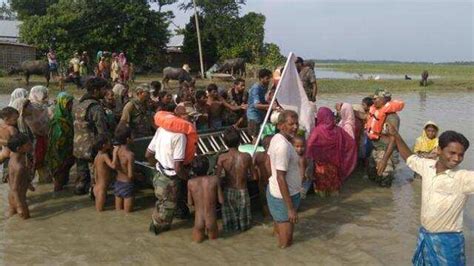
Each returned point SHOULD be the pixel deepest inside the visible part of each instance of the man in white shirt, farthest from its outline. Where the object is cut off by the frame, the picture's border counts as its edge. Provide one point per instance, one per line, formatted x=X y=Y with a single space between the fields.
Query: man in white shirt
x=445 y=190
x=283 y=193
x=167 y=151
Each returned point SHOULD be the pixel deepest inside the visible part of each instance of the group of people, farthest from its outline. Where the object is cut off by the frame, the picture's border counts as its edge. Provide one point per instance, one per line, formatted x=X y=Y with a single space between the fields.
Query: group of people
x=97 y=130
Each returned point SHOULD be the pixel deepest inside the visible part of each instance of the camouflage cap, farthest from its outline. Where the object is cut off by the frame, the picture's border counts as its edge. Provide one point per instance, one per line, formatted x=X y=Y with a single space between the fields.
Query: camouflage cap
x=382 y=93
x=143 y=88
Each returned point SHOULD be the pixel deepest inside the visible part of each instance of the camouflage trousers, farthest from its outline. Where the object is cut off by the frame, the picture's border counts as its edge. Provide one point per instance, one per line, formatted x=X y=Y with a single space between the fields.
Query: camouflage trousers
x=166 y=193
x=385 y=180
x=83 y=180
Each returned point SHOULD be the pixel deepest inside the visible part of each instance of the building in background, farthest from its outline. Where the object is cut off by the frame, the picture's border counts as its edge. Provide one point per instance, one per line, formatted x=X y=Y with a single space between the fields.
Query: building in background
x=12 y=52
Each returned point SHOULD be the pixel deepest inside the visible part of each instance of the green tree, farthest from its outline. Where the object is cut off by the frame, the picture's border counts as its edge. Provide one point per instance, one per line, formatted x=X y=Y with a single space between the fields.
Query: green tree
x=190 y=43
x=91 y=25
x=27 y=8
x=271 y=56
x=6 y=12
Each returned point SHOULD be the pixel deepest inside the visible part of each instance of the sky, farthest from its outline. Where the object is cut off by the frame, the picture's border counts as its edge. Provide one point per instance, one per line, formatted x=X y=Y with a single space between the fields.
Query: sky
x=400 y=30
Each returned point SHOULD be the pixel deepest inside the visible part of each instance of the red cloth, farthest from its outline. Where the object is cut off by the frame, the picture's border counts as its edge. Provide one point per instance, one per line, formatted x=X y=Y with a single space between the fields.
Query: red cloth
x=330 y=144
x=40 y=151
x=326 y=177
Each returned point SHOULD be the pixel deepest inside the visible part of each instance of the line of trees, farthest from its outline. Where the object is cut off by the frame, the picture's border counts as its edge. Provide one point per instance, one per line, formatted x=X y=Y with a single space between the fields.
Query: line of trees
x=142 y=32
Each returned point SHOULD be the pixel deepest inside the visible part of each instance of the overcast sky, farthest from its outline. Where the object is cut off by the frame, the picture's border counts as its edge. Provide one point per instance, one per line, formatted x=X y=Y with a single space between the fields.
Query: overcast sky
x=402 y=30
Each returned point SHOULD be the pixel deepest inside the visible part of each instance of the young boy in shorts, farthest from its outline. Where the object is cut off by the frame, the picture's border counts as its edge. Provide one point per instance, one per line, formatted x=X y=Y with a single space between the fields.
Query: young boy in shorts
x=18 y=173
x=103 y=167
x=304 y=164
x=204 y=192
x=9 y=115
x=263 y=171
x=238 y=169
x=124 y=186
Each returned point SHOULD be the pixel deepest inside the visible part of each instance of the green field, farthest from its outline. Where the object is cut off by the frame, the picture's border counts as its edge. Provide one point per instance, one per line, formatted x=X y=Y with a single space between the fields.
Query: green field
x=451 y=78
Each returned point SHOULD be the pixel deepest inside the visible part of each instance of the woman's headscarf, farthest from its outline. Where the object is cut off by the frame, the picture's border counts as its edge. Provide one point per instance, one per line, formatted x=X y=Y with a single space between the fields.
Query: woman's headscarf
x=38 y=94
x=17 y=94
x=423 y=143
x=347 y=119
x=329 y=143
x=61 y=132
x=122 y=59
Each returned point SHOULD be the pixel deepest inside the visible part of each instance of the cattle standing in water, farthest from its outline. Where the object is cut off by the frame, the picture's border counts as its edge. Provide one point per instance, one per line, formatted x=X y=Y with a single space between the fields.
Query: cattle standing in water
x=232 y=66
x=174 y=73
x=32 y=67
x=424 y=78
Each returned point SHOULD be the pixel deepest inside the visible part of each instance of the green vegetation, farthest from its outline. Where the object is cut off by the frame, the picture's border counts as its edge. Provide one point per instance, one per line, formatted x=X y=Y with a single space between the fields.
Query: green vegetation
x=445 y=71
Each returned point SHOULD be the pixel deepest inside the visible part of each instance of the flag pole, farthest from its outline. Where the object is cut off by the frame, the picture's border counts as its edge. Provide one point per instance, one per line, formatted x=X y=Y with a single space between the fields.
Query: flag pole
x=267 y=115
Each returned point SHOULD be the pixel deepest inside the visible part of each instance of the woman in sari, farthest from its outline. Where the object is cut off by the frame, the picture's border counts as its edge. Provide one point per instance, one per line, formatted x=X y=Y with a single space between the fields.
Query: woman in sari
x=347 y=119
x=333 y=152
x=59 y=157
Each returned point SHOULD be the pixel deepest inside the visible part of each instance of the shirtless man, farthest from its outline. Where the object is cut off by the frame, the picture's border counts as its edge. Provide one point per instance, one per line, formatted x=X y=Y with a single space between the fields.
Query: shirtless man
x=263 y=171
x=9 y=115
x=236 y=213
x=18 y=172
x=217 y=105
x=203 y=193
x=103 y=167
x=201 y=106
x=124 y=187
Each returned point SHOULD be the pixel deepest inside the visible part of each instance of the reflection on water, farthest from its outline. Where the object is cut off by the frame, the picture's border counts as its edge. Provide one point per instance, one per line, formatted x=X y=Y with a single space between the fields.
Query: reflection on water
x=365 y=225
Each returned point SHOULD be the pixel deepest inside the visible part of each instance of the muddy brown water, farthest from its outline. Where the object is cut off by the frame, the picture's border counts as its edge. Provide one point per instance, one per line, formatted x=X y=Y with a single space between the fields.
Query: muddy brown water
x=365 y=225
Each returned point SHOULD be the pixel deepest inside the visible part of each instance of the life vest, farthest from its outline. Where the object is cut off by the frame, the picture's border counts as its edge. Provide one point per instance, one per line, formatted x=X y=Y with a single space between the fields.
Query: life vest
x=377 y=118
x=176 y=124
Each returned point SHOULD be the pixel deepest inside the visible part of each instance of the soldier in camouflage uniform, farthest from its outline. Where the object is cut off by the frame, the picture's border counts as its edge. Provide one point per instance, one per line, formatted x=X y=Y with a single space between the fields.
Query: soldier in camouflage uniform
x=384 y=154
x=137 y=115
x=167 y=150
x=90 y=122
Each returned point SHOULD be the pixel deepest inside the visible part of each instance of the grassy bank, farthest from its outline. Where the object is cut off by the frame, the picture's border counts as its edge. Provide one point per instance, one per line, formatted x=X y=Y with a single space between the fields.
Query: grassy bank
x=452 y=78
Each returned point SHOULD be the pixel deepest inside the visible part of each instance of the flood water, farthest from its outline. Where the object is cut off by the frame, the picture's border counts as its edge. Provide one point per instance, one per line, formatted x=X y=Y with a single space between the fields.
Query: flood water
x=326 y=73
x=365 y=225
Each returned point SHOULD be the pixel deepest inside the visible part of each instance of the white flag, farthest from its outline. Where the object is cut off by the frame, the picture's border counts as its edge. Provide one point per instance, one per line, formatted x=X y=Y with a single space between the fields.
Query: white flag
x=292 y=96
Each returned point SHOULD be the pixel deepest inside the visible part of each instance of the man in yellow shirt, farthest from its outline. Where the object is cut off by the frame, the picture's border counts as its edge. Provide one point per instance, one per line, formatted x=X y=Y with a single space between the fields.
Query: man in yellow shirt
x=444 y=193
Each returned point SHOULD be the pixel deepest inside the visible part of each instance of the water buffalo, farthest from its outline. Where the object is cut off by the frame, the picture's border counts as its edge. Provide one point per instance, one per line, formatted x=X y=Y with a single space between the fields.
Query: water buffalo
x=32 y=67
x=174 y=73
x=232 y=66
x=424 y=78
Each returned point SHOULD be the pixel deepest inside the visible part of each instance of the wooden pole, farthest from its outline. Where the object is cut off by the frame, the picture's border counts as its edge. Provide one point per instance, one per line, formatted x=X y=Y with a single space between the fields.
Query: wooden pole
x=203 y=75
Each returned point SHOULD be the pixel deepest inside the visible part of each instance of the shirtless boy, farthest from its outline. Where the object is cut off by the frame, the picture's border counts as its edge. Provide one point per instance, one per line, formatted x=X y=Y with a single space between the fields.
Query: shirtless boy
x=203 y=193
x=201 y=106
x=304 y=164
x=217 y=105
x=238 y=168
x=263 y=171
x=9 y=115
x=124 y=186
x=103 y=167
x=18 y=172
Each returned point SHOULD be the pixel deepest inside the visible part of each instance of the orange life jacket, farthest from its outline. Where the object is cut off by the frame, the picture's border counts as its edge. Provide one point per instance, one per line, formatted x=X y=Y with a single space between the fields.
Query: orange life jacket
x=377 y=118
x=176 y=124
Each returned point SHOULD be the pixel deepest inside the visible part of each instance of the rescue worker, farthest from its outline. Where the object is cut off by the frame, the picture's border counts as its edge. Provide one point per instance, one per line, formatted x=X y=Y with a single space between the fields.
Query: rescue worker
x=137 y=115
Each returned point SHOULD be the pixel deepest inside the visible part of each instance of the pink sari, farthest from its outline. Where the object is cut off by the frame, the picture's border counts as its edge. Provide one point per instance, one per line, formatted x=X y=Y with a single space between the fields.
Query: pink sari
x=348 y=122
x=330 y=144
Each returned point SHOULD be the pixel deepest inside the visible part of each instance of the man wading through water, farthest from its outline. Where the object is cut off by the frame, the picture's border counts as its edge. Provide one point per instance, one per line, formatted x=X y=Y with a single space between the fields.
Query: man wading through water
x=444 y=193
x=167 y=151
x=90 y=123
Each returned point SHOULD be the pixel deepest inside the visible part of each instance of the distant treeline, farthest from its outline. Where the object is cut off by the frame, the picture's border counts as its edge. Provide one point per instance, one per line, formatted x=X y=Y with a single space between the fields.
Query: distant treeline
x=346 y=61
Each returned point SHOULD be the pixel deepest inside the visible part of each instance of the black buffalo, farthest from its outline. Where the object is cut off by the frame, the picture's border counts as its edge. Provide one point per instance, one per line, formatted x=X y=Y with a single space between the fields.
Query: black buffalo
x=32 y=67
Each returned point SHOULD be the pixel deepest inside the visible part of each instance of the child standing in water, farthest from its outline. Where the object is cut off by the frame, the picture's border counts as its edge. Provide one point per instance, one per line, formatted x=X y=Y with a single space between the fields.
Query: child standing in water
x=238 y=169
x=9 y=115
x=204 y=192
x=103 y=167
x=304 y=165
x=263 y=171
x=124 y=186
x=18 y=172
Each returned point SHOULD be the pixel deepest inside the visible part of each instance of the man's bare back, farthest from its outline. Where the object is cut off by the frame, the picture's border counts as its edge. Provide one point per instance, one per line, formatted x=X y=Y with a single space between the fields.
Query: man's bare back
x=237 y=167
x=203 y=193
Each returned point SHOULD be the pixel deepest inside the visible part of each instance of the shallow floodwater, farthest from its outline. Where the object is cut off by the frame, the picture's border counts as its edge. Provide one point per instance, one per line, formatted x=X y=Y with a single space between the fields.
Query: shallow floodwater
x=365 y=225
x=326 y=73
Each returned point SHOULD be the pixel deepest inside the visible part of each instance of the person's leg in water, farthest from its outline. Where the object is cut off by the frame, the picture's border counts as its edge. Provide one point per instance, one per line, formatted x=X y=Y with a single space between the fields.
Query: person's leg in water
x=285 y=234
x=198 y=230
x=83 y=177
x=128 y=204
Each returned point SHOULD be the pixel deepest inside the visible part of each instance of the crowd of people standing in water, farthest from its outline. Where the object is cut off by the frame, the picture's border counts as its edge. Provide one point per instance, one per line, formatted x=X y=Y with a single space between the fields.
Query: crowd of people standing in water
x=95 y=133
